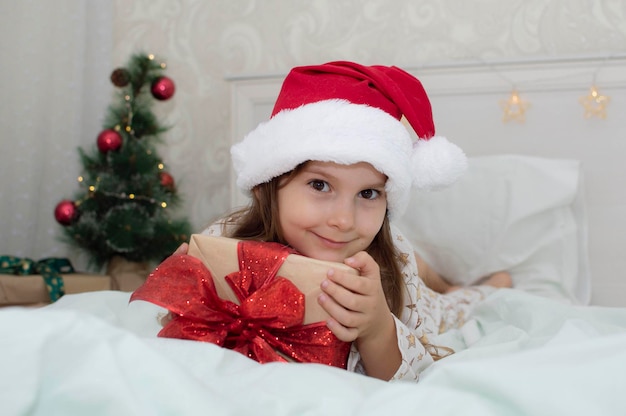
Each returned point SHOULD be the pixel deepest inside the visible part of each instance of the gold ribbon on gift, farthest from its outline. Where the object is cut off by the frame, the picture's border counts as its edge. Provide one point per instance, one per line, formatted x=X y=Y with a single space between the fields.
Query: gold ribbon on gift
x=49 y=268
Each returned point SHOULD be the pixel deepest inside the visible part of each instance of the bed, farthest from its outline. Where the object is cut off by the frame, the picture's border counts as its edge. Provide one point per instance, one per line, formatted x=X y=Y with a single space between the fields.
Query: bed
x=541 y=348
x=520 y=354
x=538 y=349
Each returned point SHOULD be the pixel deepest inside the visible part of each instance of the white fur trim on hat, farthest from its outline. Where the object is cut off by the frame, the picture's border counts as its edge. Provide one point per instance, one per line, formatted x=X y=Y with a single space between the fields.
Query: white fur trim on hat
x=342 y=132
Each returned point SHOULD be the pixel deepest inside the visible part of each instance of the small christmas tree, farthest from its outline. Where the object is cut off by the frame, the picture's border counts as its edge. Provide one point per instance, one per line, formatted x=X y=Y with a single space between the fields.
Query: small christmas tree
x=123 y=207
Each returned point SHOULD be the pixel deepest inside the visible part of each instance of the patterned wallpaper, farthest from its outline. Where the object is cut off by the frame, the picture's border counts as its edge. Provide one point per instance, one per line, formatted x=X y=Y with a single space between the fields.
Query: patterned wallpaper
x=205 y=41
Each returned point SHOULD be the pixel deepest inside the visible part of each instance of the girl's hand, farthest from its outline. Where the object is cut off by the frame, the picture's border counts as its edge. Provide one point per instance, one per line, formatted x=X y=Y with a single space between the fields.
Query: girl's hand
x=182 y=249
x=358 y=312
x=356 y=304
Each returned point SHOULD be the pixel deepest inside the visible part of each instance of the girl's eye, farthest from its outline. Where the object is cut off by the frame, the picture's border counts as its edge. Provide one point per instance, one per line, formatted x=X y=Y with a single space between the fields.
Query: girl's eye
x=370 y=194
x=319 y=185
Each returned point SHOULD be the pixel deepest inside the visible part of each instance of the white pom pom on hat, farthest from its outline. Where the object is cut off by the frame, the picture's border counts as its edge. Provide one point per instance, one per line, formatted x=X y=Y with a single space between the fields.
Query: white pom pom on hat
x=347 y=113
x=436 y=163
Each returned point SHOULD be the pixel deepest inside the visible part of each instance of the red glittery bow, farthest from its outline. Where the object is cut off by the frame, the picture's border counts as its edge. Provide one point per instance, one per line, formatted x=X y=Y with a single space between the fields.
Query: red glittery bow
x=266 y=325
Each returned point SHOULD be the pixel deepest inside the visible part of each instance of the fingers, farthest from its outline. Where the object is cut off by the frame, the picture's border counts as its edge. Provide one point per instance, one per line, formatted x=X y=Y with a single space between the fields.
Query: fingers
x=182 y=249
x=342 y=322
x=356 y=304
x=366 y=283
x=365 y=264
x=345 y=334
x=339 y=301
x=341 y=286
x=165 y=319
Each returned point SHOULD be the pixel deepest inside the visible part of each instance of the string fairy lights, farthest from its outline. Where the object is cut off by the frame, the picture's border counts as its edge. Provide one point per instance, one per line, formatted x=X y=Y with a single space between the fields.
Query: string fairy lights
x=95 y=188
x=515 y=108
x=595 y=103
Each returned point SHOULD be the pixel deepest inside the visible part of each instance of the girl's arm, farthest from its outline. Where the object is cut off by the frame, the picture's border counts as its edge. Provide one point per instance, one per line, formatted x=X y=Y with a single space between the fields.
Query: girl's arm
x=432 y=279
x=359 y=313
x=380 y=355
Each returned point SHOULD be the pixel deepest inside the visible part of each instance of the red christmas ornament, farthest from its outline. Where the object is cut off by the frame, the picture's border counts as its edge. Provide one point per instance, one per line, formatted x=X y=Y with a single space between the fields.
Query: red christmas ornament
x=65 y=212
x=109 y=140
x=163 y=88
x=167 y=181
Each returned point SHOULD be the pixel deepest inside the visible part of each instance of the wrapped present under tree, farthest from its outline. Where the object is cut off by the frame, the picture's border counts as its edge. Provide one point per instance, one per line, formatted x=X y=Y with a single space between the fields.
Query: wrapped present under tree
x=24 y=281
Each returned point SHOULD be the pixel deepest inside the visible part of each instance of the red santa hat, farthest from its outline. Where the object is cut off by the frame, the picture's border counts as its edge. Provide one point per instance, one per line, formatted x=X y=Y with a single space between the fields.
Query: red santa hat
x=347 y=113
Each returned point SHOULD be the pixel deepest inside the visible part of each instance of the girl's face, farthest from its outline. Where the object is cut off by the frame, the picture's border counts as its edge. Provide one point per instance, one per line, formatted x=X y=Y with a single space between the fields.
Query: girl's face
x=330 y=212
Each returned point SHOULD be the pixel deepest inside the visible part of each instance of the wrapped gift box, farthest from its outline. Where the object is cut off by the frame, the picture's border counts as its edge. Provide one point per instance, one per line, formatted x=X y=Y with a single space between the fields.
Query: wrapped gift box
x=259 y=299
x=31 y=289
x=219 y=255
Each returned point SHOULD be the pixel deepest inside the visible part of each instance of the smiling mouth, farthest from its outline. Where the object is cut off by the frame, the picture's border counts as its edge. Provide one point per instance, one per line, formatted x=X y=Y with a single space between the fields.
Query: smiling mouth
x=332 y=243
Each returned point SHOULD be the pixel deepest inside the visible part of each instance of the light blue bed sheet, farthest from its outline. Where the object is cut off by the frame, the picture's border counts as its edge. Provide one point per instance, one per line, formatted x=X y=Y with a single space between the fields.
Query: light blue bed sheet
x=94 y=354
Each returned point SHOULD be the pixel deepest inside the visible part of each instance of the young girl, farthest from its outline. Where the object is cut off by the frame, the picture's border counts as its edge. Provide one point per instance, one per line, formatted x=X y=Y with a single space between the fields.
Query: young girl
x=327 y=173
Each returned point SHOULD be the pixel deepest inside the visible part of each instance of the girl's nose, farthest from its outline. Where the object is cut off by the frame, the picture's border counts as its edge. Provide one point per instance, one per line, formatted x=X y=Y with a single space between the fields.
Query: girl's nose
x=342 y=215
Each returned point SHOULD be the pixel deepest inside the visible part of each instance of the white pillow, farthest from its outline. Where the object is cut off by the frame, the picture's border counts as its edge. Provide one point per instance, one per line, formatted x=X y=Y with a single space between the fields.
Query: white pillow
x=509 y=212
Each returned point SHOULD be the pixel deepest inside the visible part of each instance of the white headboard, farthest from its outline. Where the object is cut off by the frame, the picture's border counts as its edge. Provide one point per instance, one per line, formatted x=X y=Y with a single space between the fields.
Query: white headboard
x=466 y=100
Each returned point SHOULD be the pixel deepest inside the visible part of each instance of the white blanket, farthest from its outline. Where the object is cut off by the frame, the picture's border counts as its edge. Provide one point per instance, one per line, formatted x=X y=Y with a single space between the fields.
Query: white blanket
x=94 y=354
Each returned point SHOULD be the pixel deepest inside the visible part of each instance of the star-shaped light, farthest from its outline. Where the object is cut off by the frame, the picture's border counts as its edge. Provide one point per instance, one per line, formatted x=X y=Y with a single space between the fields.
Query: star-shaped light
x=514 y=108
x=595 y=103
